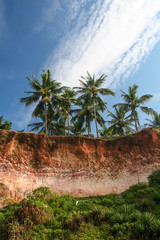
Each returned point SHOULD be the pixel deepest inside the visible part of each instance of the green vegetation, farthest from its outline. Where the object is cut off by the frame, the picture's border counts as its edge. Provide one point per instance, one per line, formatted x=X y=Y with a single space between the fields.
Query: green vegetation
x=43 y=92
x=132 y=215
x=66 y=111
x=4 y=124
x=120 y=123
x=132 y=103
x=155 y=122
x=89 y=93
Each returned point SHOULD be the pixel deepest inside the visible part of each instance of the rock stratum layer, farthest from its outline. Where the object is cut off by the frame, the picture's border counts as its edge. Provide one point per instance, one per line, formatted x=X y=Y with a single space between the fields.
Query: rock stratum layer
x=79 y=166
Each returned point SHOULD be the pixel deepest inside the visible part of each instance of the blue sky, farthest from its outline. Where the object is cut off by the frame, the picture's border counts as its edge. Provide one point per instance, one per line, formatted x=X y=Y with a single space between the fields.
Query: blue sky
x=120 y=38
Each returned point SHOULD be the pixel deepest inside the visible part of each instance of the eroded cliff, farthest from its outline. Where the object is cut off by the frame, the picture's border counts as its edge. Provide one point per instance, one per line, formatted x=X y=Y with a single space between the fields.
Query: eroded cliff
x=75 y=165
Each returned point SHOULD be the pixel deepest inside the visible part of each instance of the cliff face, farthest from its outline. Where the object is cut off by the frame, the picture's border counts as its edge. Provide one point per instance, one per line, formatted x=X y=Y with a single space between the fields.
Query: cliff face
x=75 y=165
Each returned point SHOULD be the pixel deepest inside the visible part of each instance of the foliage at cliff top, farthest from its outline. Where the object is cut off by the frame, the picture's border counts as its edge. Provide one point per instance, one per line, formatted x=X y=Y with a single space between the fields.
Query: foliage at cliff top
x=65 y=111
x=4 y=124
x=134 y=214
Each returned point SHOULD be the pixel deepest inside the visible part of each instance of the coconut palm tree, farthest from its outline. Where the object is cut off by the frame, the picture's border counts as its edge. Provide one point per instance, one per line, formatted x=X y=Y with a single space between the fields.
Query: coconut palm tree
x=155 y=122
x=106 y=133
x=85 y=115
x=120 y=123
x=54 y=124
x=91 y=88
x=133 y=103
x=42 y=93
x=66 y=103
x=75 y=129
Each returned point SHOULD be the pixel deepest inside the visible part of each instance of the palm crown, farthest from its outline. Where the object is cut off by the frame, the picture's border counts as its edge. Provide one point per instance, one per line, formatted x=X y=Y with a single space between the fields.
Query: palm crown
x=90 y=89
x=155 y=122
x=133 y=102
x=42 y=93
x=120 y=123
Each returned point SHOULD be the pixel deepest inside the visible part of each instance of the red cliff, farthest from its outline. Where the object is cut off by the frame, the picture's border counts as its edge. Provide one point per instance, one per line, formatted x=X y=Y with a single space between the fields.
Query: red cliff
x=79 y=166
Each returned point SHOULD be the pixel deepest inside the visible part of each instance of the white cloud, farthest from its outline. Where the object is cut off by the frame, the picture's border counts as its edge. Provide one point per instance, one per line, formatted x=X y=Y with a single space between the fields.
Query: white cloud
x=112 y=37
x=23 y=117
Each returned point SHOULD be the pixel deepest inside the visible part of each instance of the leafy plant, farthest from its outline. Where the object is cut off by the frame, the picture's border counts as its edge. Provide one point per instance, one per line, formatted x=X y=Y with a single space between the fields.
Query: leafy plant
x=145 y=205
x=155 y=227
x=155 y=196
x=4 y=124
x=154 y=178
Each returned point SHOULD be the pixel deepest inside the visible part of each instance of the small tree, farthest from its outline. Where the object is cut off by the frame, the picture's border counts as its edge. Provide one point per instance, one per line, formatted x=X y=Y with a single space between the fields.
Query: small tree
x=4 y=124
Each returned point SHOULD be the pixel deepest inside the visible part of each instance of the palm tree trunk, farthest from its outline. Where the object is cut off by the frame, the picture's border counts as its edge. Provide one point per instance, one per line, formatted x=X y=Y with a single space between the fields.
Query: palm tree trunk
x=95 y=117
x=68 y=124
x=45 y=109
x=137 y=129
x=136 y=125
x=88 y=128
x=65 y=126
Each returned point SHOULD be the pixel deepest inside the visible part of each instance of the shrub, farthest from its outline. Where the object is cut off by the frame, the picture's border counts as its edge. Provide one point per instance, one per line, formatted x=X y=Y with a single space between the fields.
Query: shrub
x=147 y=219
x=126 y=209
x=96 y=216
x=156 y=228
x=145 y=205
x=135 y=216
x=2 y=217
x=41 y=193
x=74 y=222
x=154 y=178
x=135 y=192
x=109 y=213
x=119 y=218
x=107 y=202
x=155 y=196
x=138 y=230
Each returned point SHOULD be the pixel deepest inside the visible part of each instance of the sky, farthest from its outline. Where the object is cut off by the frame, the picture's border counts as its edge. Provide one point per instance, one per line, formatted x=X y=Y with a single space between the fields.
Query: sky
x=120 y=38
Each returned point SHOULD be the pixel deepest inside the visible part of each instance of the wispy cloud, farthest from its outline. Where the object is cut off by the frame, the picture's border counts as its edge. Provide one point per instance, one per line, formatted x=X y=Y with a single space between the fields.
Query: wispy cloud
x=56 y=16
x=23 y=116
x=48 y=14
x=2 y=17
x=109 y=36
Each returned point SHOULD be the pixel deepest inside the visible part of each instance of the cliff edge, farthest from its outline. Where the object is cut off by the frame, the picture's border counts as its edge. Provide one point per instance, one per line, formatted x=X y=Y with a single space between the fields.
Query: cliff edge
x=79 y=166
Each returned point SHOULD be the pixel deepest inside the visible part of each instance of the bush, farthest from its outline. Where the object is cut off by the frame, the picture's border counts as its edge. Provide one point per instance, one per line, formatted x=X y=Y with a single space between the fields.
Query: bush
x=155 y=196
x=2 y=217
x=135 y=216
x=134 y=192
x=127 y=209
x=156 y=228
x=41 y=193
x=138 y=230
x=145 y=205
x=154 y=179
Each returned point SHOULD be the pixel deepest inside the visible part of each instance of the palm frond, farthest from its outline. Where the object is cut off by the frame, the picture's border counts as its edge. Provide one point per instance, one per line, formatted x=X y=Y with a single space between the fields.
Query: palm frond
x=106 y=91
x=31 y=99
x=147 y=110
x=144 y=98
